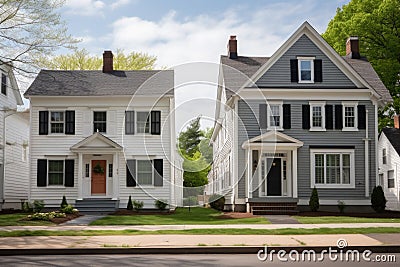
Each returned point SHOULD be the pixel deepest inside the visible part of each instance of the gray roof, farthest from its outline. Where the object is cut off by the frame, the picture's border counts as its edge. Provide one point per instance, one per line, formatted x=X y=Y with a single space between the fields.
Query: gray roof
x=365 y=70
x=393 y=134
x=237 y=71
x=97 y=83
x=232 y=69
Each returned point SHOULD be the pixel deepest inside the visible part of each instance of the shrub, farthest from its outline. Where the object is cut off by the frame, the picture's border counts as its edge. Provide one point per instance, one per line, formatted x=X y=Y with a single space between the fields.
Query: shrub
x=64 y=202
x=314 y=200
x=69 y=209
x=46 y=216
x=217 y=202
x=190 y=201
x=130 y=205
x=38 y=205
x=27 y=207
x=341 y=206
x=160 y=204
x=378 y=200
x=138 y=205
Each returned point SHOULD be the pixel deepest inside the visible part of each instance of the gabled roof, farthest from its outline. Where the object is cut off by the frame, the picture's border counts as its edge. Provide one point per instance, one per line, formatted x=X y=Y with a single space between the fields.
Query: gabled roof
x=393 y=135
x=359 y=71
x=273 y=138
x=97 y=83
x=96 y=142
x=8 y=68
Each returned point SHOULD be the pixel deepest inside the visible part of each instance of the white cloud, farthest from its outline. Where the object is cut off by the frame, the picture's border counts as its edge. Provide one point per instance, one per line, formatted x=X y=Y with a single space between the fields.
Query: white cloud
x=84 y=7
x=119 y=3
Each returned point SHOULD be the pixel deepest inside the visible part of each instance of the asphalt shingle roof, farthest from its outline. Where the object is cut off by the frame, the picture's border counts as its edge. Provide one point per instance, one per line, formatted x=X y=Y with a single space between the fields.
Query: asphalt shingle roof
x=393 y=134
x=97 y=83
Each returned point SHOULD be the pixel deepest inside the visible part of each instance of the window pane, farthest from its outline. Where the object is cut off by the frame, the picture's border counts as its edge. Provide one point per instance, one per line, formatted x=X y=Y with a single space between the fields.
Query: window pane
x=317 y=116
x=319 y=169
x=346 y=160
x=391 y=179
x=55 y=179
x=346 y=175
x=57 y=127
x=100 y=116
x=143 y=119
x=56 y=172
x=333 y=168
x=100 y=121
x=56 y=165
x=100 y=126
x=57 y=116
x=349 y=116
x=305 y=65
x=274 y=119
x=305 y=70
x=145 y=172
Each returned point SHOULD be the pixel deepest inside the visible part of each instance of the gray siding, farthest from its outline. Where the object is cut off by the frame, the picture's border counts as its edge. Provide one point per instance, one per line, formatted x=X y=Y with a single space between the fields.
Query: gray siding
x=248 y=128
x=279 y=74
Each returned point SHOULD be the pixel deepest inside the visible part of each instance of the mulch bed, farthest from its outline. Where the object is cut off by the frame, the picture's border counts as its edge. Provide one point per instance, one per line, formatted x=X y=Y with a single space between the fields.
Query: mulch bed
x=10 y=211
x=237 y=215
x=386 y=214
x=66 y=219
x=142 y=212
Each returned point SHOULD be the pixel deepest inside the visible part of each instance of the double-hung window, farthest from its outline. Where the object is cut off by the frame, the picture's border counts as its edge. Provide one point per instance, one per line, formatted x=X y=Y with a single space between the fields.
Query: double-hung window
x=390 y=179
x=384 y=156
x=349 y=116
x=145 y=172
x=332 y=168
x=100 y=121
x=57 y=122
x=306 y=69
x=317 y=116
x=143 y=122
x=275 y=111
x=56 y=172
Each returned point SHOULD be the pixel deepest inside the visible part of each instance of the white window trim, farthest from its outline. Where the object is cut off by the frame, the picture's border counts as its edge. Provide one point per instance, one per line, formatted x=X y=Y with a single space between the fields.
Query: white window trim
x=384 y=156
x=56 y=110
x=333 y=151
x=394 y=188
x=311 y=59
x=47 y=174
x=136 y=122
x=152 y=174
x=275 y=103
x=102 y=110
x=350 y=104
x=317 y=104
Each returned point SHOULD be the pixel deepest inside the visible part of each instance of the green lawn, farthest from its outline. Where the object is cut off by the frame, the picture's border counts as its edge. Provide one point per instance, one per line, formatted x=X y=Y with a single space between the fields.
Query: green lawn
x=15 y=220
x=343 y=219
x=181 y=216
x=235 y=231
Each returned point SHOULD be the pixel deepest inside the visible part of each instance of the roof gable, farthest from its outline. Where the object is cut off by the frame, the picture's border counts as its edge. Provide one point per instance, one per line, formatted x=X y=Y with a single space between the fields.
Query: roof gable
x=273 y=138
x=393 y=135
x=96 y=142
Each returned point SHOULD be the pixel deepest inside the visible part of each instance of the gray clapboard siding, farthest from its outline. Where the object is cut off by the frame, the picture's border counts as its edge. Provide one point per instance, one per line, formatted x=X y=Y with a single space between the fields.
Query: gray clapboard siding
x=248 y=128
x=279 y=74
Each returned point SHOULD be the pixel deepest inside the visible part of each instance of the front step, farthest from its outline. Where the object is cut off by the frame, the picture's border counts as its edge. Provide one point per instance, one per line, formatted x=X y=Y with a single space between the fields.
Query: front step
x=274 y=208
x=97 y=205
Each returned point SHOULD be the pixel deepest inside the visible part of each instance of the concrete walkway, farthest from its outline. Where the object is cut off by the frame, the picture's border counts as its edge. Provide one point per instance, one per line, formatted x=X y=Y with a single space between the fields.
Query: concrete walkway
x=127 y=241
x=281 y=219
x=83 y=220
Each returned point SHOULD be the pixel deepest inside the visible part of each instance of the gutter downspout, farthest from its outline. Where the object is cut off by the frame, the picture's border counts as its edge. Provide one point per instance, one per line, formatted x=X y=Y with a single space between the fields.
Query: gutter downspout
x=366 y=154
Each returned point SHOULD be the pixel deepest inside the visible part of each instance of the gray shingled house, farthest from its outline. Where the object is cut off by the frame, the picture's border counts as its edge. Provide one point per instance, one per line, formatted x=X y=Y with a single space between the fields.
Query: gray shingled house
x=305 y=117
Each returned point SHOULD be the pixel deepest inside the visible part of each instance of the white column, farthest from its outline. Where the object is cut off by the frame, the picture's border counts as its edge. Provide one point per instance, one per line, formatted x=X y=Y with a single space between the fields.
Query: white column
x=80 y=180
x=294 y=172
x=248 y=176
x=115 y=177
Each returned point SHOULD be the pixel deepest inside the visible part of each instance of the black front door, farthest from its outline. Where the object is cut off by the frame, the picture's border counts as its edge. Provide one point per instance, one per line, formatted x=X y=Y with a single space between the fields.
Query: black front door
x=274 y=177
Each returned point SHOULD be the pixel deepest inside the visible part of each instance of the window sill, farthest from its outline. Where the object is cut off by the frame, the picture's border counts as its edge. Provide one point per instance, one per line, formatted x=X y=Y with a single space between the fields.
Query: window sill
x=274 y=129
x=306 y=82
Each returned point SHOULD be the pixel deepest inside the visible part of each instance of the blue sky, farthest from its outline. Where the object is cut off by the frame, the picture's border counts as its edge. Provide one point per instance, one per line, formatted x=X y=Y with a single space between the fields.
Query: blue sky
x=182 y=31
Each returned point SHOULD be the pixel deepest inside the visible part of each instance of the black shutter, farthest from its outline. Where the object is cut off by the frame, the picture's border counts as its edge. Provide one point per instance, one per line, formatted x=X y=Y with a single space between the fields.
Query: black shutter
x=361 y=117
x=3 y=84
x=306 y=116
x=43 y=122
x=41 y=172
x=130 y=173
x=263 y=116
x=129 y=122
x=69 y=173
x=158 y=172
x=329 y=117
x=70 y=122
x=294 y=71
x=287 y=123
x=156 y=122
x=338 y=117
x=318 y=70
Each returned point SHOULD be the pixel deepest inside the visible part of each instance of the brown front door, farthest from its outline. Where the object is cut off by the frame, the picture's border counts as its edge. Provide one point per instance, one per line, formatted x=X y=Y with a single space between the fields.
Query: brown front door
x=99 y=177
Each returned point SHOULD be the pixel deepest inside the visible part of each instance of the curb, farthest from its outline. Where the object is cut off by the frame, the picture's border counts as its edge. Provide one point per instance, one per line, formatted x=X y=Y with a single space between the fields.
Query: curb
x=190 y=250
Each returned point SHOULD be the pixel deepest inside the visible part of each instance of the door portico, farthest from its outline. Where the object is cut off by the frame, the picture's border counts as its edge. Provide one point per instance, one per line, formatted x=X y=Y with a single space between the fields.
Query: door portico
x=98 y=158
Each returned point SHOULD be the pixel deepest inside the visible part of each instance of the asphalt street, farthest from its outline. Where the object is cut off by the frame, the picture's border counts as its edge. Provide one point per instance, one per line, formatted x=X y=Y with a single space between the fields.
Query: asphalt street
x=178 y=260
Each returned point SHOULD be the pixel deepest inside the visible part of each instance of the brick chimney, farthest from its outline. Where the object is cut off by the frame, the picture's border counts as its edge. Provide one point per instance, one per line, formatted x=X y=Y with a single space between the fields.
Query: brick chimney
x=353 y=47
x=108 y=65
x=232 y=47
x=396 y=119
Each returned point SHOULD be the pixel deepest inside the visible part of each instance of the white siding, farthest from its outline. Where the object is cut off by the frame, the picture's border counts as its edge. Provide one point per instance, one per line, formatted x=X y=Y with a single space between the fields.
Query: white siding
x=157 y=146
x=393 y=164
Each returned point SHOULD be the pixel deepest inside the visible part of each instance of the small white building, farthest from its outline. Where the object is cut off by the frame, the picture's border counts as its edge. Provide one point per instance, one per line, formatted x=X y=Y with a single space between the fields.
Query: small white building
x=389 y=164
x=14 y=136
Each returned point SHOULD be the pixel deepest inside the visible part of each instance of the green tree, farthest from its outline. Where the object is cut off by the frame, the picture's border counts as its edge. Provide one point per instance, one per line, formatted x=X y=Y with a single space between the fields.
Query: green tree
x=80 y=59
x=204 y=146
x=189 y=139
x=377 y=23
x=30 y=29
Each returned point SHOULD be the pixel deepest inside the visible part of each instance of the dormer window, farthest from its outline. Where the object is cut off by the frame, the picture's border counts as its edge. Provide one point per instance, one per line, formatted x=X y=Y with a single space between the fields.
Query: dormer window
x=306 y=69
